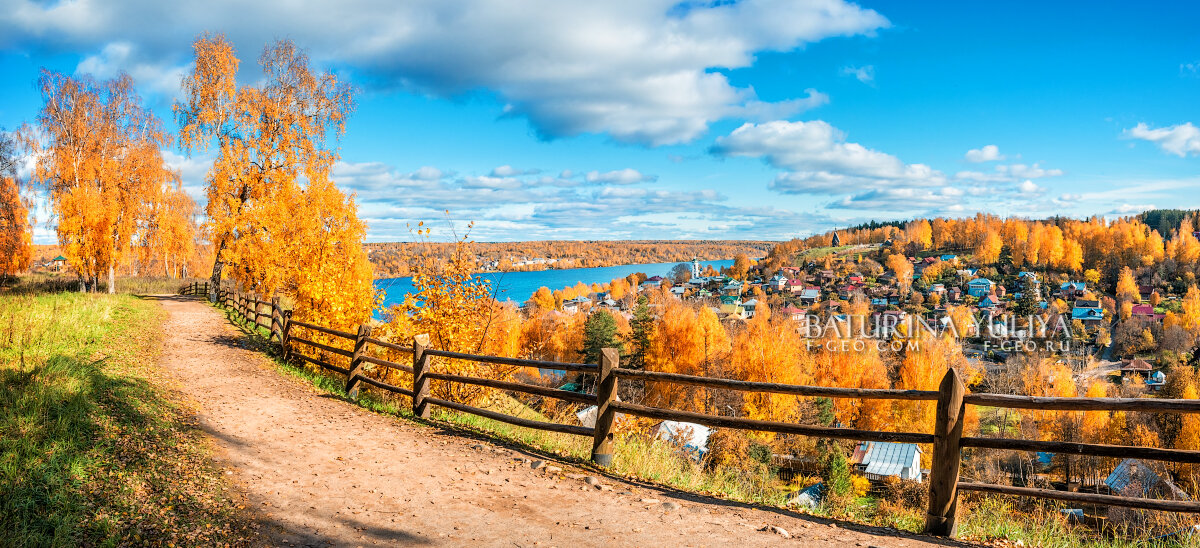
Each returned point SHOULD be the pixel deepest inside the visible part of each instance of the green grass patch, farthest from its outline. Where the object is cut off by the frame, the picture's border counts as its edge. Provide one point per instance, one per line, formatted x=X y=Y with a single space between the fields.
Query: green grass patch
x=91 y=451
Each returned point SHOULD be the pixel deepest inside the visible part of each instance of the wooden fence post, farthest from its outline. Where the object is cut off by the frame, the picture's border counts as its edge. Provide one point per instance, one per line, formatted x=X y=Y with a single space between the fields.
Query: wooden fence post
x=285 y=334
x=420 y=381
x=360 y=346
x=274 y=320
x=947 y=456
x=606 y=393
x=253 y=302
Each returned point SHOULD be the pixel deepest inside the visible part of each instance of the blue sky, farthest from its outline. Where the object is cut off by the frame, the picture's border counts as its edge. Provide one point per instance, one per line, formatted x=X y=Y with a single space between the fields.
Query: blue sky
x=756 y=119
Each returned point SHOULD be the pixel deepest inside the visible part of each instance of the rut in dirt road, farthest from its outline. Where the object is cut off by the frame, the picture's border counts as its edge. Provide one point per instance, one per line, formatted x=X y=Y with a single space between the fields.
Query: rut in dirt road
x=321 y=471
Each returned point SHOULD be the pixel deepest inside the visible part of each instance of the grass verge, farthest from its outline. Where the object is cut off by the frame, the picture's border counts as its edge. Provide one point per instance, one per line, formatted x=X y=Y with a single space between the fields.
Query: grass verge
x=92 y=452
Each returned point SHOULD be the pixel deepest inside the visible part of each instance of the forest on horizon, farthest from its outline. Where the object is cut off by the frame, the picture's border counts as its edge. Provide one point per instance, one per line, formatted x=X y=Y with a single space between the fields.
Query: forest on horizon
x=394 y=259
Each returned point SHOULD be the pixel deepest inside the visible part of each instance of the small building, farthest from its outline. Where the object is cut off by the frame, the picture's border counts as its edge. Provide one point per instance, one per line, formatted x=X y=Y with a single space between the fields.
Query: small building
x=988 y=302
x=1146 y=312
x=1071 y=290
x=749 y=307
x=57 y=263
x=979 y=287
x=1156 y=380
x=1088 y=312
x=1134 y=478
x=879 y=459
x=1134 y=367
x=810 y=295
x=793 y=313
x=576 y=304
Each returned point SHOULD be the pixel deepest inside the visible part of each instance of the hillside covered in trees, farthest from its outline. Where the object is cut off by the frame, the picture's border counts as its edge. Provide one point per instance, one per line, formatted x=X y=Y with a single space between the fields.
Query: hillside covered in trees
x=394 y=259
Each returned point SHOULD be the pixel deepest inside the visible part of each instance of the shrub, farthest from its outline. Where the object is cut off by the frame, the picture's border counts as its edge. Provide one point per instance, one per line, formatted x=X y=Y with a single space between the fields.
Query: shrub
x=837 y=472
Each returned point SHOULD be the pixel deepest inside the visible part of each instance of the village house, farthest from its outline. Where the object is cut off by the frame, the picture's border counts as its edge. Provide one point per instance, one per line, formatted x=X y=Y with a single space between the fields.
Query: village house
x=1087 y=312
x=1146 y=312
x=575 y=305
x=1072 y=290
x=748 y=307
x=810 y=295
x=793 y=313
x=979 y=287
x=1134 y=368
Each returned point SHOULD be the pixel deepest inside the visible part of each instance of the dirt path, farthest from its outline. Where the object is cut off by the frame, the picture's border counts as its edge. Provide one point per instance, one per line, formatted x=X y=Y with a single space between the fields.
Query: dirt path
x=316 y=479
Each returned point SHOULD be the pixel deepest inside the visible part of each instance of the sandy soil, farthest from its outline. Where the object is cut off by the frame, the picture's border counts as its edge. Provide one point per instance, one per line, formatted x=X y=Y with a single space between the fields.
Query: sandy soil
x=321 y=471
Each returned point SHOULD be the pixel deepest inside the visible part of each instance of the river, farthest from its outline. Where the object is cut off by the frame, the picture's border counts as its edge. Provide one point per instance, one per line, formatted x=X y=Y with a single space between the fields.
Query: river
x=519 y=286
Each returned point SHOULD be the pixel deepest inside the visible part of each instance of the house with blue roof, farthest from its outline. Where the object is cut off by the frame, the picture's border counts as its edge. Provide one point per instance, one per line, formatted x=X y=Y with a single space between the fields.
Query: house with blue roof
x=949 y=257
x=979 y=287
x=1088 y=315
x=1071 y=290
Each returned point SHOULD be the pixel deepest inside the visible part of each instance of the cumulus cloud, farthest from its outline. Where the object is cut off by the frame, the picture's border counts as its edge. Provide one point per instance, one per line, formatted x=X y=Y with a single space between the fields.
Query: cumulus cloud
x=645 y=71
x=987 y=153
x=864 y=74
x=156 y=76
x=1180 y=140
x=1028 y=187
x=818 y=160
x=627 y=176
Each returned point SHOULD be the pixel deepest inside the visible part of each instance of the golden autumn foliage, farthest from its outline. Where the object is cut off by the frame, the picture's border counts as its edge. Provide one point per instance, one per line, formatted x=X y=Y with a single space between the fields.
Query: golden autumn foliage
x=16 y=235
x=1127 y=288
x=683 y=340
x=768 y=349
x=276 y=219
x=98 y=153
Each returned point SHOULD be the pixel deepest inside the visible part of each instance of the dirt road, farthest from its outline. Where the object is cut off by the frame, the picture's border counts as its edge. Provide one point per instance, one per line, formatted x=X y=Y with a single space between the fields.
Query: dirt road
x=321 y=471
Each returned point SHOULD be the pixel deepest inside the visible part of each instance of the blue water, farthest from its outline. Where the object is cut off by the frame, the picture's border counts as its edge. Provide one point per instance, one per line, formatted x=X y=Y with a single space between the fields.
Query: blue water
x=520 y=286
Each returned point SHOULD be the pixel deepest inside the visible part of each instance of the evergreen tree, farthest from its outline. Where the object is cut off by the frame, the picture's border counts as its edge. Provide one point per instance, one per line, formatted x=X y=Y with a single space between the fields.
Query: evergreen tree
x=641 y=327
x=599 y=332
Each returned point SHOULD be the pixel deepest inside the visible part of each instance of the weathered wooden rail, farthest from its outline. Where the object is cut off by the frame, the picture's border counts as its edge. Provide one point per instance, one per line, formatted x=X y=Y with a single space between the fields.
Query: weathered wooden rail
x=951 y=400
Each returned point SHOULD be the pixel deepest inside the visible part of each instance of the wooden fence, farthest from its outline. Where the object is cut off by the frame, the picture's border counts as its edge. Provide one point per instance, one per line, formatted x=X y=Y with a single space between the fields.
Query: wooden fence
x=947 y=439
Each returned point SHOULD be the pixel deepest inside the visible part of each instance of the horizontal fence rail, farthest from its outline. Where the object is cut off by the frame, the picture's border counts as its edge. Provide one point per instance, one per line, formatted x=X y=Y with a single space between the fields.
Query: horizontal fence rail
x=1185 y=506
x=774 y=388
x=770 y=426
x=1152 y=405
x=560 y=366
x=1090 y=449
x=947 y=439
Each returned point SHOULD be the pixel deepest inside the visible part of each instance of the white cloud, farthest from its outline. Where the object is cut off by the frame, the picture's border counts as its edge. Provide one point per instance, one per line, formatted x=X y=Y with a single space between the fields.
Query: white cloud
x=818 y=160
x=627 y=176
x=1029 y=187
x=541 y=207
x=988 y=153
x=901 y=199
x=509 y=171
x=1022 y=171
x=1008 y=173
x=864 y=74
x=642 y=71
x=1189 y=69
x=1130 y=209
x=156 y=76
x=1180 y=140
